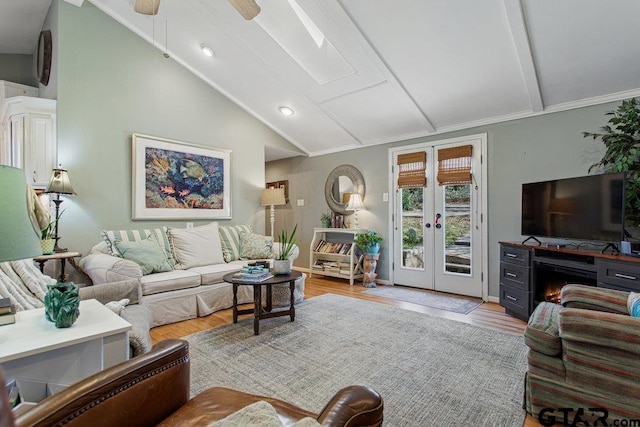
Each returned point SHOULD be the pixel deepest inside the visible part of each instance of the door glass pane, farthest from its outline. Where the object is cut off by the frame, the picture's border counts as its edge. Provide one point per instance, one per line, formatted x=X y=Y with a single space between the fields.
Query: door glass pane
x=457 y=228
x=412 y=227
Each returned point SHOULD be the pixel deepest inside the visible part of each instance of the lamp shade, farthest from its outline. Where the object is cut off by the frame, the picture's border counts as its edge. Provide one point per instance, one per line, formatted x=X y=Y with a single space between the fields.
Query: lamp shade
x=272 y=197
x=355 y=202
x=18 y=239
x=59 y=182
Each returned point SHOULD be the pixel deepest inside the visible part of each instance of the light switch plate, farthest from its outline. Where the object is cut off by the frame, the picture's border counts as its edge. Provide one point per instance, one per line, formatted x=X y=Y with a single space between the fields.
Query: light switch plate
x=385 y=197
x=300 y=202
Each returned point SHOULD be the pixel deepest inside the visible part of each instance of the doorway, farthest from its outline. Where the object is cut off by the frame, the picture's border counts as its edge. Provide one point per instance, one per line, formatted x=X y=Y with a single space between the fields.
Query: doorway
x=439 y=203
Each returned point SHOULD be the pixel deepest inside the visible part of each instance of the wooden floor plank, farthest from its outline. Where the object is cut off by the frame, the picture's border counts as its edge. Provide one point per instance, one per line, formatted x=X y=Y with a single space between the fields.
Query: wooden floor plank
x=487 y=315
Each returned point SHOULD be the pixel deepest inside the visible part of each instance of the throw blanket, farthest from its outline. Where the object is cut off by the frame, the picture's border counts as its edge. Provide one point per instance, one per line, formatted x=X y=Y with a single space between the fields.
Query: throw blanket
x=23 y=283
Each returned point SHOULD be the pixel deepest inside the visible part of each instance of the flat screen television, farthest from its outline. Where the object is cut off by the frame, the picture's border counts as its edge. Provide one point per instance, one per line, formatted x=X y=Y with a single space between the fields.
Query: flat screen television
x=584 y=208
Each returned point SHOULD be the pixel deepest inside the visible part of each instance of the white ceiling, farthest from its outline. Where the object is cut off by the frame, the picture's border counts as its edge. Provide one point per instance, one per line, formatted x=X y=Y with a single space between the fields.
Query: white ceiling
x=421 y=66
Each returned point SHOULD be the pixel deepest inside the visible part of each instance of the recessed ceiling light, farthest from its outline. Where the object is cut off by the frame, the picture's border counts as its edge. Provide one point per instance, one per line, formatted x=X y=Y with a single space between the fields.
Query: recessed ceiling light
x=206 y=50
x=286 y=111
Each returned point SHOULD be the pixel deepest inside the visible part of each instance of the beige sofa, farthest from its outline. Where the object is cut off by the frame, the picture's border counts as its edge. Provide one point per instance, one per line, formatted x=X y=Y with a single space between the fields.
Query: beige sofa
x=194 y=286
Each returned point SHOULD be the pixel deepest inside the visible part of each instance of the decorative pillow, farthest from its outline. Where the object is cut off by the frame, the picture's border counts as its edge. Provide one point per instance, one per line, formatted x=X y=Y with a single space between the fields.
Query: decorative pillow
x=633 y=304
x=117 y=306
x=146 y=253
x=255 y=246
x=259 y=414
x=230 y=237
x=110 y=236
x=197 y=246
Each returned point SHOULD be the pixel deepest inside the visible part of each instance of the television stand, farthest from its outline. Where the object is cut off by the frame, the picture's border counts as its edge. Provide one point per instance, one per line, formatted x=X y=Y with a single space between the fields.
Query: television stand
x=531 y=238
x=532 y=274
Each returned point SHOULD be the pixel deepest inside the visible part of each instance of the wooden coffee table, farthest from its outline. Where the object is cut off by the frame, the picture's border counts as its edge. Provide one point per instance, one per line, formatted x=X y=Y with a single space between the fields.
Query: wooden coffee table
x=258 y=311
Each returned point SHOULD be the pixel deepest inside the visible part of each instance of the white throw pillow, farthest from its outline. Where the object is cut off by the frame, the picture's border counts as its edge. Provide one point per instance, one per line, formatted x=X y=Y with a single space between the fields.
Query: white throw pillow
x=117 y=306
x=197 y=246
x=259 y=414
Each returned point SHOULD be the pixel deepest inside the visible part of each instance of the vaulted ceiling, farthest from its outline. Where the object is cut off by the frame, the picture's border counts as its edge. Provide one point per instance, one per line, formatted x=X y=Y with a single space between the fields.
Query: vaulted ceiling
x=402 y=68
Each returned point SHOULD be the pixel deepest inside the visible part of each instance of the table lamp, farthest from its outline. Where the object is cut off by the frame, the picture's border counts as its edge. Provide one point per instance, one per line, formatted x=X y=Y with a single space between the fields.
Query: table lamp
x=59 y=184
x=355 y=204
x=272 y=197
x=18 y=237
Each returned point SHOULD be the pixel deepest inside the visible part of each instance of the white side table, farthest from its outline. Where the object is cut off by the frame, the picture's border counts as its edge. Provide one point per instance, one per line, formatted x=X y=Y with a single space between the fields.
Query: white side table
x=34 y=349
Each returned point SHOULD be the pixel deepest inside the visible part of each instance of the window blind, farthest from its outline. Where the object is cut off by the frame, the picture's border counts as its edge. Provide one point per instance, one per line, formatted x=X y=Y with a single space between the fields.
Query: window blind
x=454 y=165
x=411 y=170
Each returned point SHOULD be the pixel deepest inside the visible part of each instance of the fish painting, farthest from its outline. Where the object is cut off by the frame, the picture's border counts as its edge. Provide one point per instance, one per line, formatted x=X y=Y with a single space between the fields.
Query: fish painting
x=167 y=190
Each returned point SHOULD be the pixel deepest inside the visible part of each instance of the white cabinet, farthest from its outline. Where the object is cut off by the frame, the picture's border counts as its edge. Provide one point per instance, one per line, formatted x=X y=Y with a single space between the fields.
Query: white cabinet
x=10 y=89
x=28 y=137
x=333 y=253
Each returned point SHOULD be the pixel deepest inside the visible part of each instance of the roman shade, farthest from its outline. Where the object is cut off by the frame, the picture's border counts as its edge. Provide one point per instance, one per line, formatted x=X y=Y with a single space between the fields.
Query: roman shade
x=454 y=165
x=411 y=170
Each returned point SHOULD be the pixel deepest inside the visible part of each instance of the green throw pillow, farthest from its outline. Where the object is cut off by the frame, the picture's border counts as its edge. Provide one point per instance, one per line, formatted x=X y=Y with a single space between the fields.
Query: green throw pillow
x=146 y=253
x=255 y=246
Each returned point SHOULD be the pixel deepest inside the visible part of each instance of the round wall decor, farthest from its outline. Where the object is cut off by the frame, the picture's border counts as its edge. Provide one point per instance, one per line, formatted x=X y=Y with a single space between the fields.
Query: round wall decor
x=45 y=51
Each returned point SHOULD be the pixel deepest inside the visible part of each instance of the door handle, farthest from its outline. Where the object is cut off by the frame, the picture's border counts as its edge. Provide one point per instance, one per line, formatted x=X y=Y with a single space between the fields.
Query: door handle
x=437 y=221
x=428 y=225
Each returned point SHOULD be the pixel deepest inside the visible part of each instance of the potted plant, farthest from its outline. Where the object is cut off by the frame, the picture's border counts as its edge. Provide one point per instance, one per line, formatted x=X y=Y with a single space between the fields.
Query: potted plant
x=369 y=243
x=325 y=219
x=282 y=264
x=621 y=138
x=48 y=238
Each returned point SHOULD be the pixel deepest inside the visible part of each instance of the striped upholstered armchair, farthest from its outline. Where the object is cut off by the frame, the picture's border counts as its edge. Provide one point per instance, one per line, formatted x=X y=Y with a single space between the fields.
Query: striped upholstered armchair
x=583 y=355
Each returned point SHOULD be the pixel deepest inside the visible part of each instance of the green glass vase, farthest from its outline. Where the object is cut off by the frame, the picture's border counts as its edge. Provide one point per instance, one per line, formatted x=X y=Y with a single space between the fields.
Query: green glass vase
x=61 y=304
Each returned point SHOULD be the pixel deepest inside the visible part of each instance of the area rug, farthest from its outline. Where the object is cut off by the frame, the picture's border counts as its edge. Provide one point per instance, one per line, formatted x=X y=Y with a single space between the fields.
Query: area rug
x=430 y=371
x=455 y=303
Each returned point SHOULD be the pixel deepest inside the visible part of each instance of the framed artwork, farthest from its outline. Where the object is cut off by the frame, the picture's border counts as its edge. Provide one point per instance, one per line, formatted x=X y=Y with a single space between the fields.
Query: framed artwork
x=175 y=180
x=280 y=184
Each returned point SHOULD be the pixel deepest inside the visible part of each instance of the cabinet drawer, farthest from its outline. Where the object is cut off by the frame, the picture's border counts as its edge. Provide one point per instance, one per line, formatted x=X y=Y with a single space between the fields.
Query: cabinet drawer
x=513 y=255
x=623 y=276
x=515 y=276
x=515 y=300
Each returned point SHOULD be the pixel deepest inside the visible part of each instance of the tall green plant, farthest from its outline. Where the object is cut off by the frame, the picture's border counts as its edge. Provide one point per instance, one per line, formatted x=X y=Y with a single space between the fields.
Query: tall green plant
x=287 y=243
x=621 y=138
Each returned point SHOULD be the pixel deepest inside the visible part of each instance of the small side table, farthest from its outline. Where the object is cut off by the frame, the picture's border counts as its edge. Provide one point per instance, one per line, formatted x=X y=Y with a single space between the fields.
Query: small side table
x=63 y=257
x=258 y=311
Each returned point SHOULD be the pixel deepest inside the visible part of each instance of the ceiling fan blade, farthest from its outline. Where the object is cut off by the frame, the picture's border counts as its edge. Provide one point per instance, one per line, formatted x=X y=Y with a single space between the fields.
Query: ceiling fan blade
x=146 y=7
x=249 y=9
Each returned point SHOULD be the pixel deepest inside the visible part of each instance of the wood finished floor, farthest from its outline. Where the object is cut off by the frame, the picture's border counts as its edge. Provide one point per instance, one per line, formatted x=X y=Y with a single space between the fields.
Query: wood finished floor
x=488 y=315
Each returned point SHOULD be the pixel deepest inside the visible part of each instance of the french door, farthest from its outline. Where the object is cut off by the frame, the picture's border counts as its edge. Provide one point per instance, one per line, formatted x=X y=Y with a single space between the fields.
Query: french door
x=438 y=236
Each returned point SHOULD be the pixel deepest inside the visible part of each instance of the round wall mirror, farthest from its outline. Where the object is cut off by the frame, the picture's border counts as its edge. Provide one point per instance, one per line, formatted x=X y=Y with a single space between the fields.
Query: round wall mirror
x=341 y=182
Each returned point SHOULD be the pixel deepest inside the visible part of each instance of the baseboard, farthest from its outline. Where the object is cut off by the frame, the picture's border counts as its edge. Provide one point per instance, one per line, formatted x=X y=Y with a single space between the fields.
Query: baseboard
x=306 y=270
x=493 y=299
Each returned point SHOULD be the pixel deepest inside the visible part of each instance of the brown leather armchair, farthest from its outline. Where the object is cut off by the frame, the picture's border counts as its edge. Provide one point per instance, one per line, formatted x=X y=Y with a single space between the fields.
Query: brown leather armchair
x=153 y=389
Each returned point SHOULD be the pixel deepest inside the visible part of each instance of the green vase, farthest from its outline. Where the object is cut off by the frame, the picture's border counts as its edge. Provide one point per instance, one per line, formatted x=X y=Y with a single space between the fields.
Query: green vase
x=61 y=304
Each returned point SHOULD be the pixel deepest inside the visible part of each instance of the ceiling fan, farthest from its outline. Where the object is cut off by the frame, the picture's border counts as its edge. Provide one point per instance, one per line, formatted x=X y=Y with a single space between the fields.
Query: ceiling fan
x=249 y=9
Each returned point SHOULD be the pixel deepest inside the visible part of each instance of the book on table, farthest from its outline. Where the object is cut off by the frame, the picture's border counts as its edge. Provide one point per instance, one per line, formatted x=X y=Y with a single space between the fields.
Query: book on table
x=5 y=305
x=8 y=318
x=252 y=277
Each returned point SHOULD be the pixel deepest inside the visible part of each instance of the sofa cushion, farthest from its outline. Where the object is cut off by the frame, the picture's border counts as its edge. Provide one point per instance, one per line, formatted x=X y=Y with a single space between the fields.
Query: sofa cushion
x=148 y=254
x=110 y=237
x=197 y=246
x=213 y=273
x=169 y=281
x=255 y=246
x=542 y=334
x=230 y=237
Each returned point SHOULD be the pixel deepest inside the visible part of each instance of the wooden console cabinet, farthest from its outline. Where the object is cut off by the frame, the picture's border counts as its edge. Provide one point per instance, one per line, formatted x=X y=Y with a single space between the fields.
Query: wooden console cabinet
x=532 y=274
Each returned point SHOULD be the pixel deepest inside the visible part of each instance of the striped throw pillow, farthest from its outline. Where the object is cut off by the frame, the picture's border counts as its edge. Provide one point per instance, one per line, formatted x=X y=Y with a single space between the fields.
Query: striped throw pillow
x=110 y=237
x=230 y=238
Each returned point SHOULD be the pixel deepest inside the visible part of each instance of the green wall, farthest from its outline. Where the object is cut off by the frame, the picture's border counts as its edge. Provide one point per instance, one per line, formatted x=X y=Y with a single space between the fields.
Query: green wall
x=534 y=149
x=110 y=84
x=17 y=69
